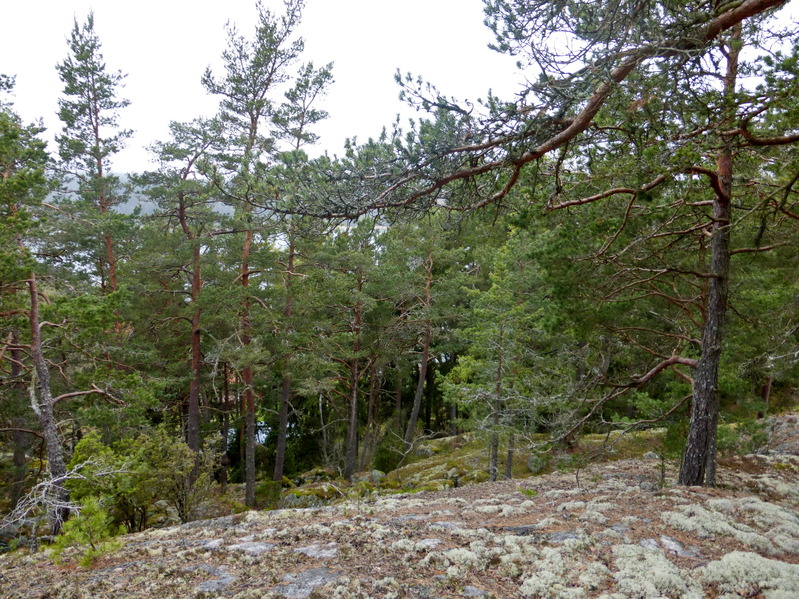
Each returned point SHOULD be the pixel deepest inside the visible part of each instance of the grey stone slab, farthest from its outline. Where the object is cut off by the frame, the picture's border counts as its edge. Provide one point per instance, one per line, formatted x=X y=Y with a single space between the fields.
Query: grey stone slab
x=319 y=551
x=252 y=548
x=677 y=547
x=302 y=584
x=649 y=544
x=561 y=537
x=522 y=530
x=215 y=585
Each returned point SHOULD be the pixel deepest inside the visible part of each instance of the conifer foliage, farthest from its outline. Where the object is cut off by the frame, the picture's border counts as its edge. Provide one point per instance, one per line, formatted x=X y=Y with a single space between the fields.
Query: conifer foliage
x=611 y=249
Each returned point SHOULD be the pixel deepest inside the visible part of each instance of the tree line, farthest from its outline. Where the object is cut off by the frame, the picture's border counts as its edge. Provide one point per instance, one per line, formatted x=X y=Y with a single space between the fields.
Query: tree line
x=613 y=248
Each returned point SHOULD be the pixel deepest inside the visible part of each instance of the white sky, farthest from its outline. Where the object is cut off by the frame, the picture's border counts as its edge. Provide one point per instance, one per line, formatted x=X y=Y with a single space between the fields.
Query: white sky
x=165 y=45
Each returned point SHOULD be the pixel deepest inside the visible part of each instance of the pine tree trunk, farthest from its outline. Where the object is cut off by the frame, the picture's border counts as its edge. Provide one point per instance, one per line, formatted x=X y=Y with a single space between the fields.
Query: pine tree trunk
x=326 y=450
x=225 y=461
x=248 y=379
x=509 y=461
x=249 y=450
x=44 y=408
x=699 y=461
x=18 y=439
x=193 y=422
x=765 y=396
x=282 y=425
x=285 y=388
x=493 y=462
x=193 y=411
x=425 y=359
x=398 y=396
x=420 y=383
x=351 y=458
x=370 y=437
x=493 y=451
x=102 y=201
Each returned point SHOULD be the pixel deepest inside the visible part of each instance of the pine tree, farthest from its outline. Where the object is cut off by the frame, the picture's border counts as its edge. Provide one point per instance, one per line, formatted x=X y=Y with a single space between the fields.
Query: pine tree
x=253 y=70
x=90 y=137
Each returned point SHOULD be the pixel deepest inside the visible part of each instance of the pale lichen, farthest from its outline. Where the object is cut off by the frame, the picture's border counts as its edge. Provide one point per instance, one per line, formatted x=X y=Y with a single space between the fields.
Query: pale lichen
x=747 y=574
x=768 y=528
x=647 y=574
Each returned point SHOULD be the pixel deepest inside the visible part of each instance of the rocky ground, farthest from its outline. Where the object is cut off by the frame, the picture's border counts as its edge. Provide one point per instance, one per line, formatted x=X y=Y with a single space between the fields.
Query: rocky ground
x=616 y=535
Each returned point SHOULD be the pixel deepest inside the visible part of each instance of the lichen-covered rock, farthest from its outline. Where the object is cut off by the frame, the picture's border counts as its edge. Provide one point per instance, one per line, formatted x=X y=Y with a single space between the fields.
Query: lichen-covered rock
x=424 y=451
x=302 y=584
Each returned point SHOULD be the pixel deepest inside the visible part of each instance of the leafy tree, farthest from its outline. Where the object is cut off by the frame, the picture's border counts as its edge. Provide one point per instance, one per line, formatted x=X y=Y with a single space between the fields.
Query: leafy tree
x=293 y=121
x=132 y=474
x=23 y=186
x=512 y=377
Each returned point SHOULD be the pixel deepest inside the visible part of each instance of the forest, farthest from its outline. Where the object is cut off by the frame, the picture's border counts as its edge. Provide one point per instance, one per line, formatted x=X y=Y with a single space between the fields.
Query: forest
x=615 y=248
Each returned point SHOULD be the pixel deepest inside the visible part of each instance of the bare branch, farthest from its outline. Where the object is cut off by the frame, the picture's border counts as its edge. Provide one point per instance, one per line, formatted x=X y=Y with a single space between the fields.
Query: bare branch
x=13 y=429
x=95 y=390
x=639 y=381
x=765 y=248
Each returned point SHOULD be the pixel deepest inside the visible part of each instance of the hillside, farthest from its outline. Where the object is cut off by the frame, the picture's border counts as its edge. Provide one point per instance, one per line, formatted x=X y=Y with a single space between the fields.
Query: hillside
x=618 y=535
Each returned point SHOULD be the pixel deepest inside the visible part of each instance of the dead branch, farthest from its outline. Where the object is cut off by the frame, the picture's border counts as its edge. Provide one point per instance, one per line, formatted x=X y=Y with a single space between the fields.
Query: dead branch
x=95 y=390
x=45 y=496
x=597 y=404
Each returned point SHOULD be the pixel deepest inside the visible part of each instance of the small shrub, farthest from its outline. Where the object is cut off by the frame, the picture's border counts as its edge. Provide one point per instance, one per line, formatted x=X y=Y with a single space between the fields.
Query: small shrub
x=744 y=437
x=389 y=454
x=89 y=532
x=267 y=494
x=112 y=475
x=175 y=472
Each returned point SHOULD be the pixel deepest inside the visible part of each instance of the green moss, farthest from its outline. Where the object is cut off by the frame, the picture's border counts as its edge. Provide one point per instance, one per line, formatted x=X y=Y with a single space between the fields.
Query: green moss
x=313 y=495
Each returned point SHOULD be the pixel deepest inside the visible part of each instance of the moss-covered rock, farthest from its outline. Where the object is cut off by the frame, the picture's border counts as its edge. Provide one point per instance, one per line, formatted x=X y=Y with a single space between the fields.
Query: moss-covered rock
x=374 y=476
x=313 y=495
x=316 y=475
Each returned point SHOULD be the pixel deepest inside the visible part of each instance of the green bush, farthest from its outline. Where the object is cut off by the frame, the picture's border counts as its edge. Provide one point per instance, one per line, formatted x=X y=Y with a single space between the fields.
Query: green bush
x=267 y=494
x=132 y=475
x=388 y=454
x=176 y=473
x=114 y=476
x=746 y=436
x=89 y=532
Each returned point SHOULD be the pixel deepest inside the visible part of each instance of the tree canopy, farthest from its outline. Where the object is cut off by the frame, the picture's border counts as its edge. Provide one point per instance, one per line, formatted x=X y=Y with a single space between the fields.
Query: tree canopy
x=611 y=249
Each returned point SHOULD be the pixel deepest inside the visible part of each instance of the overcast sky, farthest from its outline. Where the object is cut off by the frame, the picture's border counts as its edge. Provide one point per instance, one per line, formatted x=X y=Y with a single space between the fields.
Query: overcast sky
x=165 y=45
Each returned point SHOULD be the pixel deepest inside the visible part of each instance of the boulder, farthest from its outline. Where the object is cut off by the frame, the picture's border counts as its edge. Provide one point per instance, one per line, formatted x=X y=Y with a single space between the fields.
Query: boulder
x=313 y=495
x=374 y=476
